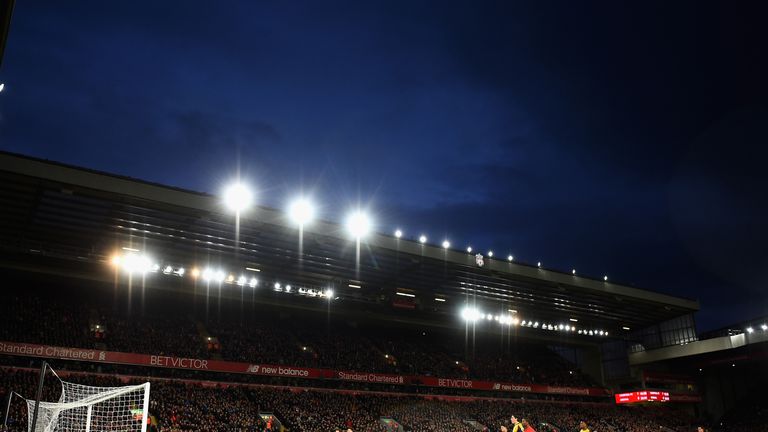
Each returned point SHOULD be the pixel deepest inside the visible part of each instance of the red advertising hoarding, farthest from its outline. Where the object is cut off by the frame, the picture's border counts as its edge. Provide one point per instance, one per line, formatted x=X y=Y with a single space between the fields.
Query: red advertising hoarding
x=99 y=356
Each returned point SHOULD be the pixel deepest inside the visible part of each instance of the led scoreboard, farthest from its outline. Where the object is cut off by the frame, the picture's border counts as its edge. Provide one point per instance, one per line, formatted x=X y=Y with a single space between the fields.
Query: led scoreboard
x=642 y=396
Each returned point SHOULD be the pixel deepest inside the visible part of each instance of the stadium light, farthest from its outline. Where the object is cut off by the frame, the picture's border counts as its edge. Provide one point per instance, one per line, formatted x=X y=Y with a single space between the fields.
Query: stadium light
x=605 y=278
x=358 y=224
x=241 y=280
x=329 y=294
x=134 y=263
x=490 y=254
x=254 y=282
x=750 y=330
x=764 y=327
x=398 y=233
x=573 y=272
x=422 y=239
x=237 y=197
x=469 y=249
x=180 y=271
x=625 y=328
x=510 y=258
x=220 y=276
x=168 y=270
x=2 y=87
x=538 y=264
x=301 y=211
x=573 y=319
x=195 y=272
x=446 y=244
x=471 y=314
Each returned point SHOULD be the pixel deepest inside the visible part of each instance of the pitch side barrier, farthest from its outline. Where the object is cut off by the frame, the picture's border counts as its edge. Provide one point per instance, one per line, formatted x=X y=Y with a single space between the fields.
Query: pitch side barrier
x=159 y=361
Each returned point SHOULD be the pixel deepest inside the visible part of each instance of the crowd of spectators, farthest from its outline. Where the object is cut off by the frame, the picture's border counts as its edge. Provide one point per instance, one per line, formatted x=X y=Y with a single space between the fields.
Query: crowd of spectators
x=271 y=339
x=181 y=406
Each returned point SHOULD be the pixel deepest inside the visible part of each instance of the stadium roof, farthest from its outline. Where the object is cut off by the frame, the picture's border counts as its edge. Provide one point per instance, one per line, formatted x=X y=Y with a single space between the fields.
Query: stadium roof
x=62 y=212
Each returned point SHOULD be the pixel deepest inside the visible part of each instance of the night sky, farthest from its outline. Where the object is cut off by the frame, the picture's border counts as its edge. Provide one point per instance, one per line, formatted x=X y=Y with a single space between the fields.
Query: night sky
x=616 y=139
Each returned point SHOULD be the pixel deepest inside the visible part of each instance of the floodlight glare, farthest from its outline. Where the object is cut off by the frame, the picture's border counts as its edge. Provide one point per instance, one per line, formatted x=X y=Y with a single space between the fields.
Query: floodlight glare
x=358 y=224
x=750 y=330
x=764 y=327
x=605 y=278
x=471 y=314
x=573 y=271
x=329 y=294
x=446 y=244
x=490 y=254
x=237 y=197
x=241 y=280
x=510 y=258
x=254 y=282
x=398 y=233
x=301 y=211
x=469 y=249
x=133 y=263
x=220 y=276
x=422 y=238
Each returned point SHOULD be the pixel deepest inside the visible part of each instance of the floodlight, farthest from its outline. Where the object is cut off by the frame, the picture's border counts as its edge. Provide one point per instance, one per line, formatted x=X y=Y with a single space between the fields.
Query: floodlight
x=241 y=280
x=764 y=327
x=471 y=314
x=180 y=271
x=750 y=330
x=561 y=326
x=301 y=211
x=207 y=274
x=358 y=224
x=605 y=278
x=220 y=276
x=490 y=254
x=398 y=233
x=2 y=86
x=538 y=264
x=510 y=258
x=329 y=293
x=422 y=238
x=469 y=249
x=254 y=282
x=446 y=244
x=237 y=197
x=573 y=271
x=167 y=270
x=133 y=263
x=195 y=272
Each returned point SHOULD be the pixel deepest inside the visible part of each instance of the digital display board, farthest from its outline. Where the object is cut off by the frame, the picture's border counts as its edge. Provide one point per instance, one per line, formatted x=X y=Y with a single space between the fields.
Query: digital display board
x=642 y=396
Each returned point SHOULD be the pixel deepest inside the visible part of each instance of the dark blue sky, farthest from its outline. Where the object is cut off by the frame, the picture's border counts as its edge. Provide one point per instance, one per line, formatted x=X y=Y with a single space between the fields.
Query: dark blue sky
x=613 y=138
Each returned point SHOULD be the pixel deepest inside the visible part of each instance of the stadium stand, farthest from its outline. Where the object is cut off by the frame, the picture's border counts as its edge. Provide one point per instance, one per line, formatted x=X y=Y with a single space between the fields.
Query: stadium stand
x=185 y=406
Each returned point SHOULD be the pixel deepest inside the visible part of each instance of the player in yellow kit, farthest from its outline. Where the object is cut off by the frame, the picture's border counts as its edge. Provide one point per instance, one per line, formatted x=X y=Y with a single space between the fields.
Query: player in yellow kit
x=583 y=427
x=516 y=426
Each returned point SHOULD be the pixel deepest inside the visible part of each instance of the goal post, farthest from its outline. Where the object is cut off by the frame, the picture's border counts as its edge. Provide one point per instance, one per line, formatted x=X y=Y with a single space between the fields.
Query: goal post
x=86 y=408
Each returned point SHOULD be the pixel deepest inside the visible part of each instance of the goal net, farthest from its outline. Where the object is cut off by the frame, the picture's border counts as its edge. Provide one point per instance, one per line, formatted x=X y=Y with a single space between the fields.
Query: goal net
x=83 y=408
